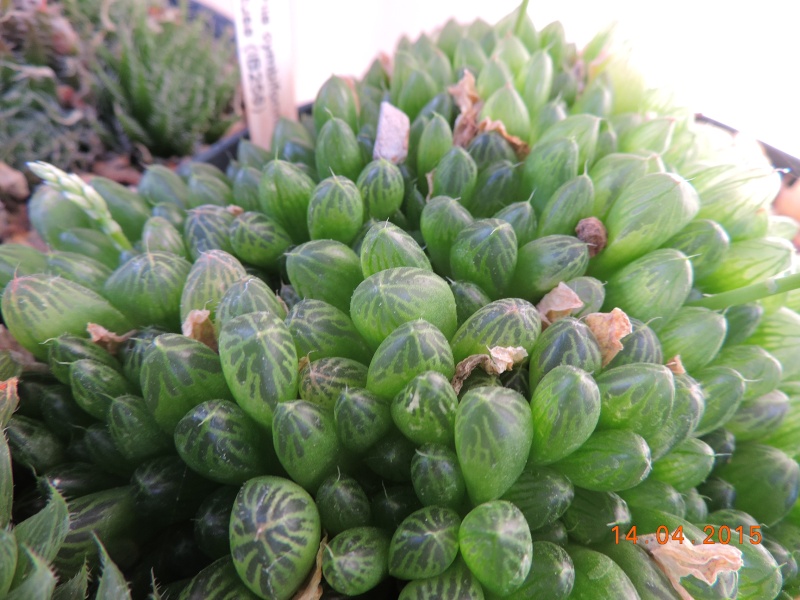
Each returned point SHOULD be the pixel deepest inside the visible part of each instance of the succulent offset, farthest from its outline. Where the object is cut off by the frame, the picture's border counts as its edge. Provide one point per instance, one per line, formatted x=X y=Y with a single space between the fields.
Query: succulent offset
x=565 y=321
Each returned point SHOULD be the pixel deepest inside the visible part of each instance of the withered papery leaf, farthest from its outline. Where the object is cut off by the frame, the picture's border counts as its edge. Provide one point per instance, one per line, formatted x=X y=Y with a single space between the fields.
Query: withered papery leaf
x=429 y=178
x=520 y=146
x=198 y=326
x=469 y=104
x=13 y=184
x=679 y=559
x=24 y=358
x=312 y=587
x=9 y=400
x=499 y=360
x=675 y=365
x=609 y=329
x=303 y=363
x=558 y=303
x=108 y=340
x=464 y=93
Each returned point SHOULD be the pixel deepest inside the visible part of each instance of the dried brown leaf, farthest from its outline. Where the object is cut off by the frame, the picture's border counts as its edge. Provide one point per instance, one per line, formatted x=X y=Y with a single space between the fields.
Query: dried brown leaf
x=466 y=127
x=593 y=233
x=13 y=185
x=499 y=360
x=520 y=146
x=312 y=586
x=386 y=62
x=9 y=342
x=9 y=400
x=429 y=177
x=20 y=355
x=391 y=140
x=282 y=303
x=682 y=558
x=234 y=210
x=117 y=169
x=469 y=105
x=675 y=365
x=63 y=38
x=609 y=329
x=558 y=303
x=303 y=363
x=198 y=326
x=108 y=340
x=464 y=93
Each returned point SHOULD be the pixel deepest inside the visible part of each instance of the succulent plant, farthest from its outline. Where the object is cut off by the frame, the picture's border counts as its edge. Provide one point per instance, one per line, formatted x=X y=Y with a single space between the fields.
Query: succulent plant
x=167 y=83
x=448 y=389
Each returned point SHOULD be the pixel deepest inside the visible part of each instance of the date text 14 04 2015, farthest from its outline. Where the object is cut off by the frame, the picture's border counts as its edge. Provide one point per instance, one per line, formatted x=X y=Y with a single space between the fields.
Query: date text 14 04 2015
x=721 y=534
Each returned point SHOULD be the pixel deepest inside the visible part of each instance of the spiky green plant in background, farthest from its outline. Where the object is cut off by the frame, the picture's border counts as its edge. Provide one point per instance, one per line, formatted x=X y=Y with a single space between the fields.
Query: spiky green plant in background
x=166 y=82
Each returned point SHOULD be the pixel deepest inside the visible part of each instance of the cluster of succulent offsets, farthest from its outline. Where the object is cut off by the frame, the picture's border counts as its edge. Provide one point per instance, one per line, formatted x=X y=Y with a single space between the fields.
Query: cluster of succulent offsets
x=539 y=353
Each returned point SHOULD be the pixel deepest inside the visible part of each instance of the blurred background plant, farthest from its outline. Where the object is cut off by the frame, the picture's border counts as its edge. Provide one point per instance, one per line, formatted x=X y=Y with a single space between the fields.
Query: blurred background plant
x=82 y=80
x=42 y=83
x=166 y=82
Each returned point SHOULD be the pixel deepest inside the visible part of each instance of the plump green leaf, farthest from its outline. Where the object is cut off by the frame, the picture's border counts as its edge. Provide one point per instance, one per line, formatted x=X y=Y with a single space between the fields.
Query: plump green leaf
x=305 y=440
x=413 y=348
x=217 y=581
x=148 y=289
x=356 y=560
x=209 y=278
x=258 y=240
x=390 y=298
x=39 y=307
x=425 y=544
x=565 y=407
x=493 y=427
x=609 y=461
x=323 y=380
x=218 y=440
x=310 y=264
x=597 y=575
x=275 y=534
x=543 y=495
x=456 y=582
x=592 y=515
x=321 y=330
x=496 y=545
x=259 y=362
x=178 y=373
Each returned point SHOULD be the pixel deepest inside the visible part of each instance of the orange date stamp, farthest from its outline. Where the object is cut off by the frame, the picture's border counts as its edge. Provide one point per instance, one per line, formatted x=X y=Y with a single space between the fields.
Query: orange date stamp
x=715 y=534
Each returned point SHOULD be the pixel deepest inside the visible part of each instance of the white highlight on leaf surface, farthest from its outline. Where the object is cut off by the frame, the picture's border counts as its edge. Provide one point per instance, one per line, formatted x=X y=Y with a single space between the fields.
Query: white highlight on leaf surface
x=391 y=140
